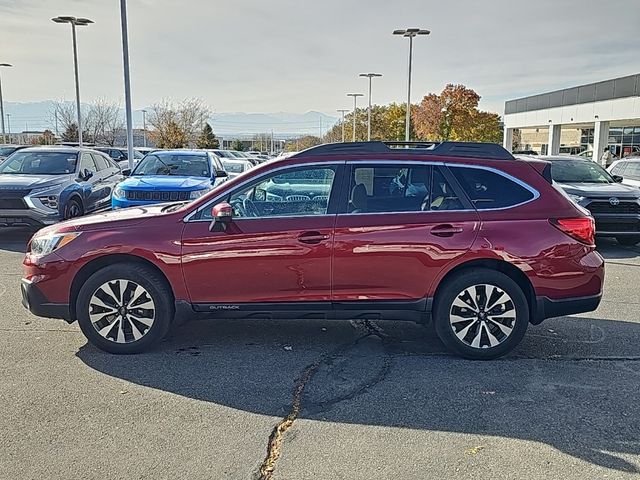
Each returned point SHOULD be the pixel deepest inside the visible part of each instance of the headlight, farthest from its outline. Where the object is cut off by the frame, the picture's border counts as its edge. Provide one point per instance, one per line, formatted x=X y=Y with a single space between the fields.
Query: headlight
x=575 y=198
x=50 y=201
x=197 y=194
x=45 y=244
x=119 y=192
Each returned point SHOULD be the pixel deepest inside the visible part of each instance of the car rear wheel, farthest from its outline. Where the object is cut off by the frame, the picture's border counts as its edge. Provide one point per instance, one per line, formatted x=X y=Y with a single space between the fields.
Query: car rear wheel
x=124 y=308
x=628 y=240
x=73 y=209
x=481 y=314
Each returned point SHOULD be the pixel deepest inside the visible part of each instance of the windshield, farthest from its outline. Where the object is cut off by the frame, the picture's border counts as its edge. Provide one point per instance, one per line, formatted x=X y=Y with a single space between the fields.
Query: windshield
x=225 y=154
x=39 y=163
x=579 y=171
x=233 y=167
x=180 y=165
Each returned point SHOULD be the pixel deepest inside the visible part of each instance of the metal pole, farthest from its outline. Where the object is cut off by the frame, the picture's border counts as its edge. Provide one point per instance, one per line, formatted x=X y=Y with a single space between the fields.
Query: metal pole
x=355 y=102
x=75 y=67
x=4 y=133
x=9 y=125
x=144 y=127
x=127 y=81
x=369 y=113
x=408 y=119
x=342 y=126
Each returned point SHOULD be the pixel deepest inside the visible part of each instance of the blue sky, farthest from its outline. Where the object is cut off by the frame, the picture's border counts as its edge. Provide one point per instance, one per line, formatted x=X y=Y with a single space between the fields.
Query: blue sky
x=297 y=56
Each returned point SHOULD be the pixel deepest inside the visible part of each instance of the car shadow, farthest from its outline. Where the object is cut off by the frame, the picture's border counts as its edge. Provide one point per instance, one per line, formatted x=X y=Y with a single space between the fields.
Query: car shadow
x=573 y=383
x=14 y=239
x=610 y=249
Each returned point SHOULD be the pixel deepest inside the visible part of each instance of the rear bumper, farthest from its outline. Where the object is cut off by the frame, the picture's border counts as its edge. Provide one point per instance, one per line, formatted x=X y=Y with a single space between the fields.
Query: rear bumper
x=549 y=308
x=35 y=301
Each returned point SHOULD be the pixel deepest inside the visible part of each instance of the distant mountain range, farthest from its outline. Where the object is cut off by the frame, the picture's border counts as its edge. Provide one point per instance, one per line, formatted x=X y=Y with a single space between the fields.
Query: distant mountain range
x=36 y=116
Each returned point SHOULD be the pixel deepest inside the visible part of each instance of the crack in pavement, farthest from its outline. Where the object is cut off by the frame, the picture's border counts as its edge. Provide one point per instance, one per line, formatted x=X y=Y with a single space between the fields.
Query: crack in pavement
x=276 y=439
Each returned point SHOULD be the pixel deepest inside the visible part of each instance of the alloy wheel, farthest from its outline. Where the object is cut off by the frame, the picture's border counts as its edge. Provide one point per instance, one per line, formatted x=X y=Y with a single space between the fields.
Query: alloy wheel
x=482 y=316
x=122 y=311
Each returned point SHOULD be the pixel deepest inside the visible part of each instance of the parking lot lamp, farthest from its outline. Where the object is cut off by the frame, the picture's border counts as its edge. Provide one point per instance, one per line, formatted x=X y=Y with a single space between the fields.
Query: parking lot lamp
x=75 y=22
x=342 y=111
x=4 y=133
x=370 y=76
x=410 y=33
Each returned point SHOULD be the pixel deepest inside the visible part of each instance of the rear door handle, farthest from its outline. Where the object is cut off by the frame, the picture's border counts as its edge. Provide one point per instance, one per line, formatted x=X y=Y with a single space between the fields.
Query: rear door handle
x=446 y=230
x=313 y=237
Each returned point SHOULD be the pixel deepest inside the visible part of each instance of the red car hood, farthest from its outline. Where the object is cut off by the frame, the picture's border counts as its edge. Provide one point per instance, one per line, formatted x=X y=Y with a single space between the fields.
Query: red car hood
x=110 y=220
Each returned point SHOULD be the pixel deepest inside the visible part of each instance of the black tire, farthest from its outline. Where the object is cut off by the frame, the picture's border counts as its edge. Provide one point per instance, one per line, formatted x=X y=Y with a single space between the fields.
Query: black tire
x=481 y=325
x=154 y=287
x=73 y=209
x=628 y=241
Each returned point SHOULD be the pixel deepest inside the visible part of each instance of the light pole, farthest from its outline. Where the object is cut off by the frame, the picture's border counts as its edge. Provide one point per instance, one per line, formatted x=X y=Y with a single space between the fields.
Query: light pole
x=370 y=76
x=410 y=33
x=4 y=133
x=342 y=111
x=144 y=128
x=9 y=125
x=355 y=106
x=75 y=22
x=127 y=80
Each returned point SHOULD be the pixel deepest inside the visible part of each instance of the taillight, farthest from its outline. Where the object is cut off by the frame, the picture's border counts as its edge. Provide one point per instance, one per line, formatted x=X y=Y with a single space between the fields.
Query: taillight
x=582 y=229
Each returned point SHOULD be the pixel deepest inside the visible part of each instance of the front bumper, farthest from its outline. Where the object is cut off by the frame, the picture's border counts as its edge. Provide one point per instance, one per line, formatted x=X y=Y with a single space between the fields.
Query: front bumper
x=28 y=218
x=35 y=301
x=549 y=308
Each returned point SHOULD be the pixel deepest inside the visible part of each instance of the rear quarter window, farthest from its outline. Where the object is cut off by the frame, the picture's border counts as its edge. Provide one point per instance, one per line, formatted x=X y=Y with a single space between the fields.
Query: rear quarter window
x=487 y=189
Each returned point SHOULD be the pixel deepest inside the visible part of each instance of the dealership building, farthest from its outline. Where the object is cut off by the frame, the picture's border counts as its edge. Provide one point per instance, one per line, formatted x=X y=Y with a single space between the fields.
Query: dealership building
x=593 y=117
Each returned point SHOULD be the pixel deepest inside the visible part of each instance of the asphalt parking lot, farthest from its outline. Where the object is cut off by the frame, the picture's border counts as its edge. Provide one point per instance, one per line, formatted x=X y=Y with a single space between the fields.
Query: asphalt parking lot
x=352 y=400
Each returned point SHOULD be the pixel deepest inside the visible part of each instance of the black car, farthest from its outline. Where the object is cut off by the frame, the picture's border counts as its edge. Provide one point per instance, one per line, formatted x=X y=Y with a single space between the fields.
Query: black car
x=6 y=150
x=120 y=155
x=42 y=185
x=615 y=207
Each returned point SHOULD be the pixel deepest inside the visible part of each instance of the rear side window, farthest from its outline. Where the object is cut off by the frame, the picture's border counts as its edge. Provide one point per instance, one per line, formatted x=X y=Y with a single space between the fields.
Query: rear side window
x=487 y=189
x=633 y=170
x=101 y=162
x=400 y=188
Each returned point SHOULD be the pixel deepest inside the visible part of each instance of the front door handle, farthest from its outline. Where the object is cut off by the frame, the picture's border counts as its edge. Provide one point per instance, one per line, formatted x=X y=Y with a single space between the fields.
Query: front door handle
x=313 y=237
x=446 y=230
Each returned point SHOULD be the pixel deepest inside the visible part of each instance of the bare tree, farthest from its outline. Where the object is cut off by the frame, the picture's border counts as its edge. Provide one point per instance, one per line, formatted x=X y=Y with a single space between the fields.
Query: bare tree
x=178 y=124
x=62 y=115
x=104 y=120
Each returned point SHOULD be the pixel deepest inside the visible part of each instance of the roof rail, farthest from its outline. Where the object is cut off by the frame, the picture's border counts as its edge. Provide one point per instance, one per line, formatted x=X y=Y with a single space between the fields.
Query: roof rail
x=449 y=149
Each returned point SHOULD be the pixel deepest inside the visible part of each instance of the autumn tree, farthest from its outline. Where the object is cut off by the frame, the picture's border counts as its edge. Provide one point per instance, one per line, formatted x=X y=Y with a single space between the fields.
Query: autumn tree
x=454 y=115
x=387 y=123
x=207 y=138
x=302 y=143
x=47 y=138
x=177 y=125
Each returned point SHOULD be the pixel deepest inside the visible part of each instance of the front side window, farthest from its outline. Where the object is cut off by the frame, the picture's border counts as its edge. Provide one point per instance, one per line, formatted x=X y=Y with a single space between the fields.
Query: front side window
x=39 y=163
x=292 y=193
x=87 y=163
x=619 y=168
x=633 y=170
x=487 y=189
x=400 y=188
x=180 y=165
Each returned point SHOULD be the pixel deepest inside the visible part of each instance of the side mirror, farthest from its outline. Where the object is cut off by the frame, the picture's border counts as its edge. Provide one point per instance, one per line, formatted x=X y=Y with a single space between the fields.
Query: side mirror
x=222 y=214
x=85 y=175
x=618 y=178
x=220 y=174
x=126 y=172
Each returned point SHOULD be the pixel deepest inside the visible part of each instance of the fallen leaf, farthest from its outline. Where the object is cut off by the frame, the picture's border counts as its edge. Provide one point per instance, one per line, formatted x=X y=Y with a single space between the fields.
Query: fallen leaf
x=475 y=450
x=288 y=348
x=122 y=392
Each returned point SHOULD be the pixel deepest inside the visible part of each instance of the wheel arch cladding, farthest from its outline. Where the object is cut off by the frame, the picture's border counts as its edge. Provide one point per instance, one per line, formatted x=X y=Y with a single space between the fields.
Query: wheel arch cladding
x=70 y=192
x=106 y=260
x=507 y=268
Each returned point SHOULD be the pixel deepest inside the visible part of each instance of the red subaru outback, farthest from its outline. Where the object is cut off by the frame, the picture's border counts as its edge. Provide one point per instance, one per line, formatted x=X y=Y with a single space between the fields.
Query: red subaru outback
x=459 y=234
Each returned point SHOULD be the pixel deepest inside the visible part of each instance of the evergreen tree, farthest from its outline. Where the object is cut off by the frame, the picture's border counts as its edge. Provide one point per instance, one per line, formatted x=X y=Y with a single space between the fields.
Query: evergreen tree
x=207 y=139
x=71 y=133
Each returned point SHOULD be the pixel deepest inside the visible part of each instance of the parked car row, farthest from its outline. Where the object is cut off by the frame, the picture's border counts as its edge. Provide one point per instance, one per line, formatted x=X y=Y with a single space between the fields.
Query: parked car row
x=40 y=186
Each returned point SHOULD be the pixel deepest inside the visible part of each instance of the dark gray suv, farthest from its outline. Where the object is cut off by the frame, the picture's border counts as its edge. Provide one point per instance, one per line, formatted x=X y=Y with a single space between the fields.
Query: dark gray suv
x=42 y=185
x=614 y=207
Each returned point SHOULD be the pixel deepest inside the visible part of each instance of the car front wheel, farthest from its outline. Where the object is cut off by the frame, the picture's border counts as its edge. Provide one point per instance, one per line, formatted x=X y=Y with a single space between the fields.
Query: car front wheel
x=481 y=314
x=124 y=308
